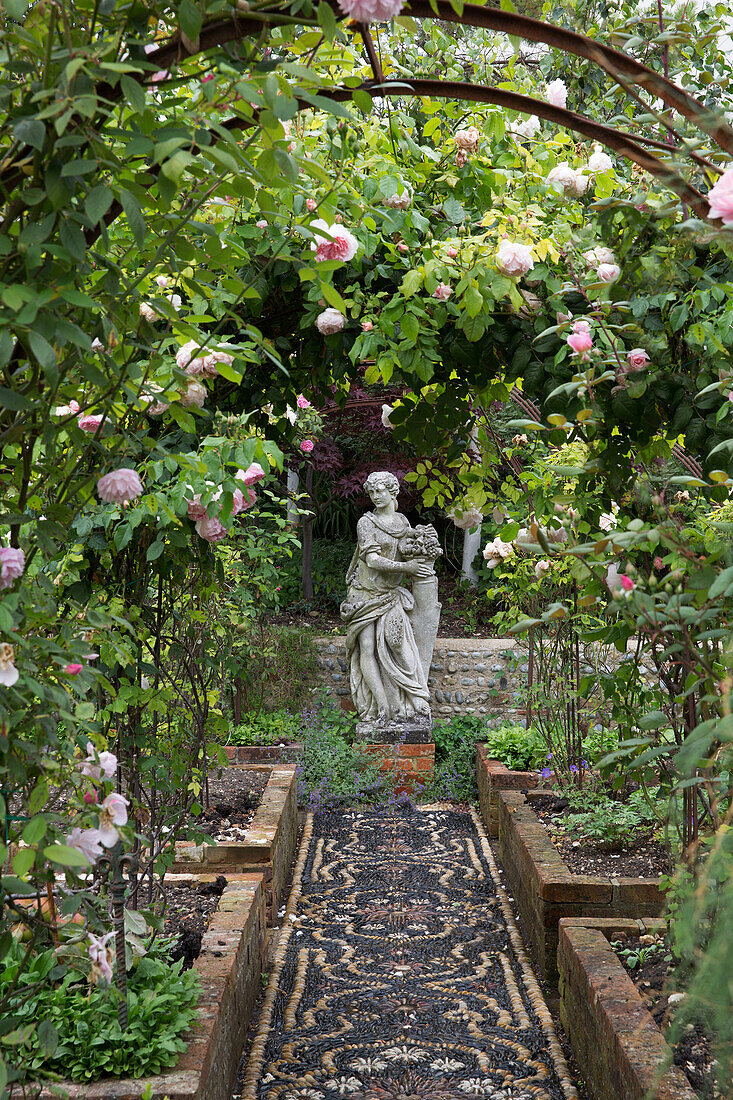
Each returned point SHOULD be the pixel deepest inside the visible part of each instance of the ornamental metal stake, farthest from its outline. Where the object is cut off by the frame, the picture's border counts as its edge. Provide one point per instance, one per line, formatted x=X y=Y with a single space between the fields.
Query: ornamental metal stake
x=113 y=865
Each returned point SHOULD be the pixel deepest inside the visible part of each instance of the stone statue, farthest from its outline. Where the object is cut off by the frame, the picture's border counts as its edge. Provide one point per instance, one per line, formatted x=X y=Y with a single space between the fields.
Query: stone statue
x=391 y=631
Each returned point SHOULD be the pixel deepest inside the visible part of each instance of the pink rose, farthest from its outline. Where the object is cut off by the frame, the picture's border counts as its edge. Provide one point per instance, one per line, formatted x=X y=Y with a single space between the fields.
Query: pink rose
x=581 y=343
x=467 y=139
x=194 y=394
x=303 y=402
x=311 y=204
x=119 y=486
x=89 y=423
x=514 y=258
x=626 y=583
x=340 y=244
x=720 y=197
x=261 y=224
x=581 y=326
x=196 y=509
x=251 y=475
x=307 y=446
x=371 y=11
x=367 y=326
x=403 y=247
x=658 y=562
x=452 y=252
x=608 y=273
x=442 y=292
x=12 y=564
x=211 y=529
x=637 y=359
x=73 y=670
x=90 y=797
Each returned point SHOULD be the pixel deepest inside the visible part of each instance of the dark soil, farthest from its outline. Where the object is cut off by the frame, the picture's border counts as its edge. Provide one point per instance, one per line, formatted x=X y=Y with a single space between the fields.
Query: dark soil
x=642 y=857
x=692 y=1054
x=233 y=799
x=466 y=613
x=189 y=910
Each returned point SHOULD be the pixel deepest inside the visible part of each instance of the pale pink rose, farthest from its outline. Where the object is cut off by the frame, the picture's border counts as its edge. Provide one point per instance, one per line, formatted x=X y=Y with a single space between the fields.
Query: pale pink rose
x=8 y=672
x=12 y=564
x=86 y=841
x=387 y=410
x=403 y=247
x=307 y=446
x=461 y=158
x=157 y=408
x=211 y=529
x=720 y=197
x=162 y=281
x=100 y=951
x=113 y=812
x=637 y=359
x=147 y=311
x=196 y=510
x=367 y=326
x=465 y=519
x=608 y=273
x=73 y=670
x=196 y=367
x=194 y=394
x=330 y=321
x=243 y=499
x=67 y=410
x=581 y=326
x=562 y=178
x=541 y=568
x=371 y=11
x=89 y=423
x=340 y=244
x=607 y=521
x=452 y=252
x=311 y=204
x=303 y=402
x=467 y=139
x=580 y=184
x=599 y=161
x=556 y=93
x=97 y=344
x=251 y=475
x=261 y=224
x=442 y=292
x=119 y=486
x=581 y=343
x=563 y=318
x=514 y=258
x=599 y=255
x=658 y=562
x=98 y=765
x=399 y=201
x=185 y=354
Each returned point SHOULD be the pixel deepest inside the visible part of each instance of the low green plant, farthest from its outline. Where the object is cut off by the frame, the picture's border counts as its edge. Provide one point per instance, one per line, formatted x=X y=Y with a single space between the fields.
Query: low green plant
x=266 y=728
x=518 y=748
x=608 y=821
x=636 y=956
x=334 y=771
x=78 y=1035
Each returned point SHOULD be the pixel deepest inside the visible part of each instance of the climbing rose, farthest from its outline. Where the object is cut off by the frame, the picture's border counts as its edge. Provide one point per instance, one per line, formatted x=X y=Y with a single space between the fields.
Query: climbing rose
x=371 y=11
x=496 y=551
x=557 y=93
x=101 y=955
x=637 y=359
x=467 y=139
x=211 y=529
x=599 y=255
x=119 y=486
x=442 y=292
x=261 y=224
x=340 y=244
x=86 y=841
x=608 y=273
x=147 y=311
x=599 y=161
x=311 y=204
x=529 y=128
x=452 y=252
x=541 y=567
x=113 y=811
x=720 y=197
x=465 y=519
x=251 y=475
x=626 y=583
x=194 y=394
x=8 y=672
x=67 y=410
x=73 y=670
x=303 y=402
x=196 y=510
x=97 y=766
x=607 y=521
x=513 y=258
x=563 y=179
x=581 y=343
x=387 y=410
x=330 y=321
x=367 y=326
x=185 y=353
x=12 y=564
x=89 y=423
x=162 y=281
x=403 y=246
x=399 y=201
x=580 y=184
x=307 y=446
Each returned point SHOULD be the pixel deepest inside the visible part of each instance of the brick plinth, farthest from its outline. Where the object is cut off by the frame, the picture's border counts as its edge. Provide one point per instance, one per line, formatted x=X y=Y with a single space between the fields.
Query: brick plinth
x=412 y=765
x=545 y=889
x=229 y=966
x=617 y=1044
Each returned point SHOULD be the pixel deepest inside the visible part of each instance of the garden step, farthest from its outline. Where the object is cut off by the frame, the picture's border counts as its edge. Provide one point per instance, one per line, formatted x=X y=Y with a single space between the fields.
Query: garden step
x=400 y=970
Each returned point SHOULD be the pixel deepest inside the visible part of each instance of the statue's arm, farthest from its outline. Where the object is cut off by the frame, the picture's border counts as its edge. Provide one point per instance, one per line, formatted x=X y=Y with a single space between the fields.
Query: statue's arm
x=370 y=552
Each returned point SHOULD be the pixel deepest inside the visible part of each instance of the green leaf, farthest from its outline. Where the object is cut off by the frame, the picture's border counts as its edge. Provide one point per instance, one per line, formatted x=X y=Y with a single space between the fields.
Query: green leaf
x=333 y=297
x=48 y=1037
x=34 y=831
x=182 y=417
x=189 y=19
x=453 y=210
x=134 y=217
x=42 y=350
x=98 y=202
x=412 y=282
x=410 y=326
x=654 y=720
x=39 y=796
x=327 y=20
x=474 y=327
x=133 y=93
x=31 y=131
x=473 y=300
x=65 y=856
x=363 y=101
x=9 y=399
x=23 y=861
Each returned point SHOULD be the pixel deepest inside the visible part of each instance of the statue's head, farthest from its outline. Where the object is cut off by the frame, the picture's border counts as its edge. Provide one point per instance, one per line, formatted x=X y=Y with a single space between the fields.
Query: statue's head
x=382 y=479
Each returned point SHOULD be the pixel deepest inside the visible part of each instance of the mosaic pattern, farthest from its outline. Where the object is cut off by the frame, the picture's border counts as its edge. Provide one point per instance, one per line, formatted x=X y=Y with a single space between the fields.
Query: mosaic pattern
x=400 y=974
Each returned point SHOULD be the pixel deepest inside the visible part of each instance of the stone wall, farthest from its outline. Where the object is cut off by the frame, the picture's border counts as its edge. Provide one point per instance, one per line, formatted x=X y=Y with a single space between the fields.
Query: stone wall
x=468 y=676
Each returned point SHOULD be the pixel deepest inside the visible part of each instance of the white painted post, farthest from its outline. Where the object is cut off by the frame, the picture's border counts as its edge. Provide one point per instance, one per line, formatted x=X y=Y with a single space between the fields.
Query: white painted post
x=293 y=486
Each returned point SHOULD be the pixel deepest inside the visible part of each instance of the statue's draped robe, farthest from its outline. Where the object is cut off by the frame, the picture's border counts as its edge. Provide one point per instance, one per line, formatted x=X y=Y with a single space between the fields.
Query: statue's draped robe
x=378 y=597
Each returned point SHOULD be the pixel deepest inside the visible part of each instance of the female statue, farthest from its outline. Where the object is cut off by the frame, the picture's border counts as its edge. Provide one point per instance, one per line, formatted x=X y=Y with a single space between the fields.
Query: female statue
x=388 y=678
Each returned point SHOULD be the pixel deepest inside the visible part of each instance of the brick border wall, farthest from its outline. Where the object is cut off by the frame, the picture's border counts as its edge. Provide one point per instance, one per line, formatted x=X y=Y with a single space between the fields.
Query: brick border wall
x=264 y=754
x=491 y=777
x=269 y=842
x=614 y=1038
x=546 y=890
x=230 y=965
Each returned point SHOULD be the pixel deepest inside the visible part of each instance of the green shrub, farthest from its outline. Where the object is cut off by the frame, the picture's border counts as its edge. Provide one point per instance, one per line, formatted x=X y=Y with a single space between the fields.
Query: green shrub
x=267 y=728
x=78 y=1034
x=333 y=770
x=518 y=748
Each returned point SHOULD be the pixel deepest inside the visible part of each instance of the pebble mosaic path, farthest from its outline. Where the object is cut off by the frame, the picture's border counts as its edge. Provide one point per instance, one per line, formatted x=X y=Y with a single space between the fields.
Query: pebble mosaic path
x=400 y=974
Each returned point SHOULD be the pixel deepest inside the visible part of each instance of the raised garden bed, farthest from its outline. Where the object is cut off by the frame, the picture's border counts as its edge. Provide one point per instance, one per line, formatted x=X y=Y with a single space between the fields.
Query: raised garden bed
x=614 y=1037
x=492 y=776
x=264 y=754
x=230 y=966
x=268 y=843
x=545 y=889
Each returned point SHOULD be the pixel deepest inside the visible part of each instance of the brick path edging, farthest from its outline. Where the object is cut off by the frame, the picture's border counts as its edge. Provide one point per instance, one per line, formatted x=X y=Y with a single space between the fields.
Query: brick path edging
x=264 y=754
x=613 y=1035
x=229 y=966
x=492 y=776
x=269 y=842
x=545 y=890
